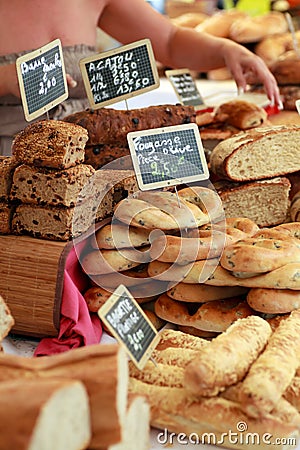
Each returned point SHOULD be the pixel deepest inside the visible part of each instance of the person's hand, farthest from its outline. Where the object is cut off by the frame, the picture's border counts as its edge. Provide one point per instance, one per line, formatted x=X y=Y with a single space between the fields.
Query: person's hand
x=70 y=81
x=244 y=65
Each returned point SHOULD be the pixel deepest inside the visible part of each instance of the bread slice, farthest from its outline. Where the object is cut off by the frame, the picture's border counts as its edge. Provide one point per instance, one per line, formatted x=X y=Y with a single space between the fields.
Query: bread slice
x=43 y=186
x=50 y=143
x=266 y=202
x=44 y=414
x=260 y=153
x=6 y=319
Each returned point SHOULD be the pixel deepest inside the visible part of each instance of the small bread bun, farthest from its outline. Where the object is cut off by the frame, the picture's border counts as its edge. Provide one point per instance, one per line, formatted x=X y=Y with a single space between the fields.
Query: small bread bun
x=189 y=20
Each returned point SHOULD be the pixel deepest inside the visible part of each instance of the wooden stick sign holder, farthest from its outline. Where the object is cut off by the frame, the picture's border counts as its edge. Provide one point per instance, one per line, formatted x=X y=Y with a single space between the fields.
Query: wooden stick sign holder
x=129 y=325
x=168 y=156
x=42 y=79
x=119 y=74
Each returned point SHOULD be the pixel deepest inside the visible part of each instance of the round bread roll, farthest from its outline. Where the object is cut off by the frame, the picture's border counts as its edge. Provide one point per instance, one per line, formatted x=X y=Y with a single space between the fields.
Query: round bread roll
x=271 y=48
x=254 y=29
x=286 y=69
x=115 y=235
x=219 y=24
x=273 y=301
x=256 y=256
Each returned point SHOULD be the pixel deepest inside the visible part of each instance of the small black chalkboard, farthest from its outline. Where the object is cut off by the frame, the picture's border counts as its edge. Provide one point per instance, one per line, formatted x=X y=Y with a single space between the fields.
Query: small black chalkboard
x=167 y=156
x=129 y=325
x=120 y=73
x=185 y=88
x=42 y=79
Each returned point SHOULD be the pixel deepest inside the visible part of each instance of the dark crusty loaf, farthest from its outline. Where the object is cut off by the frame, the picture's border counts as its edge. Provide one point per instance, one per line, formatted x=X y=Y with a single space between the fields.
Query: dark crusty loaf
x=42 y=186
x=257 y=154
x=266 y=202
x=111 y=126
x=7 y=166
x=102 y=154
x=50 y=143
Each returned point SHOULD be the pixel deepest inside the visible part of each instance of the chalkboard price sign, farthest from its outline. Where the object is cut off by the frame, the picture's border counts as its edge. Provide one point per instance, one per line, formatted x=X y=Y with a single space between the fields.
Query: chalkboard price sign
x=120 y=73
x=167 y=156
x=129 y=325
x=185 y=88
x=42 y=79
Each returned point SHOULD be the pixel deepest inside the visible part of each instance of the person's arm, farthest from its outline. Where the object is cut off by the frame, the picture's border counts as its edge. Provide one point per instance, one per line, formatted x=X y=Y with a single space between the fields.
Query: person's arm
x=183 y=47
x=9 y=81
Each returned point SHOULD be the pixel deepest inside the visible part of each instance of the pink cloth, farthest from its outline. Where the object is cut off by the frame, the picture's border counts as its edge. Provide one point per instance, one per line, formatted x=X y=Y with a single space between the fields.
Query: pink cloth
x=77 y=326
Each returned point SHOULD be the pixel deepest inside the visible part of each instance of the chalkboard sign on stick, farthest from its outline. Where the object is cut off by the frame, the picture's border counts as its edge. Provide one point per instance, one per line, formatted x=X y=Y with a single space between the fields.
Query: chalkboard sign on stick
x=42 y=79
x=185 y=88
x=118 y=74
x=167 y=156
x=129 y=325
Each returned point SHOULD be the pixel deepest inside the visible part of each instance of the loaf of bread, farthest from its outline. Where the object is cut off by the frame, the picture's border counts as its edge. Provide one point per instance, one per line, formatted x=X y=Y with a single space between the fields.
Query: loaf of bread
x=7 y=167
x=254 y=29
x=51 y=222
x=44 y=413
x=240 y=157
x=111 y=126
x=241 y=114
x=266 y=202
x=273 y=47
x=286 y=68
x=43 y=186
x=50 y=143
x=6 y=319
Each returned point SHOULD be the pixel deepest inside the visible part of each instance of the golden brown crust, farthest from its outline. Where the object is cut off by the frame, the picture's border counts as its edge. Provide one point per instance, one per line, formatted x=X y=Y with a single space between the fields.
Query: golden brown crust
x=215 y=316
x=241 y=114
x=273 y=301
x=202 y=293
x=220 y=364
x=273 y=371
x=114 y=235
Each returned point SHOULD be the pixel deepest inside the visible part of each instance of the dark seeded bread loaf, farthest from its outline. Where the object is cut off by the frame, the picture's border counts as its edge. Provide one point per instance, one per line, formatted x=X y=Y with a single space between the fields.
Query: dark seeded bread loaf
x=50 y=143
x=266 y=202
x=111 y=126
x=6 y=211
x=257 y=154
x=102 y=154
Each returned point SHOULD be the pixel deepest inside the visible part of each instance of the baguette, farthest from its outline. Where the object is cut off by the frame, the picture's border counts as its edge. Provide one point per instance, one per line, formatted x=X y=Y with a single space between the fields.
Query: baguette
x=273 y=371
x=227 y=358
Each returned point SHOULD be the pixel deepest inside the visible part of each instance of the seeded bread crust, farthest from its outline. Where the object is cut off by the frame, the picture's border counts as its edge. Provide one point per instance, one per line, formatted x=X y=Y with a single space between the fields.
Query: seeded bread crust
x=7 y=167
x=110 y=126
x=50 y=143
x=259 y=153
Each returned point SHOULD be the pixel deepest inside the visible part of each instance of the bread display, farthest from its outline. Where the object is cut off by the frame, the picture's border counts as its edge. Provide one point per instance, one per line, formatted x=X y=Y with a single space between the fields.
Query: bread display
x=219 y=24
x=239 y=157
x=6 y=213
x=266 y=202
x=44 y=412
x=241 y=114
x=50 y=143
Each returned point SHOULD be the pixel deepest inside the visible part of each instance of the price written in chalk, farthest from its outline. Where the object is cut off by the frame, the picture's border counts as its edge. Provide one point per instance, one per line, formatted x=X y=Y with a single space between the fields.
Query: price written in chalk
x=42 y=79
x=128 y=323
x=167 y=156
x=119 y=74
x=185 y=88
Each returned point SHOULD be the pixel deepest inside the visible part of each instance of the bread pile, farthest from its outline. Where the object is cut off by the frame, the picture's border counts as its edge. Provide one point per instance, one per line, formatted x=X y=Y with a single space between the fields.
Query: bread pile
x=46 y=189
x=205 y=390
x=6 y=320
x=255 y=164
x=77 y=399
x=108 y=128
